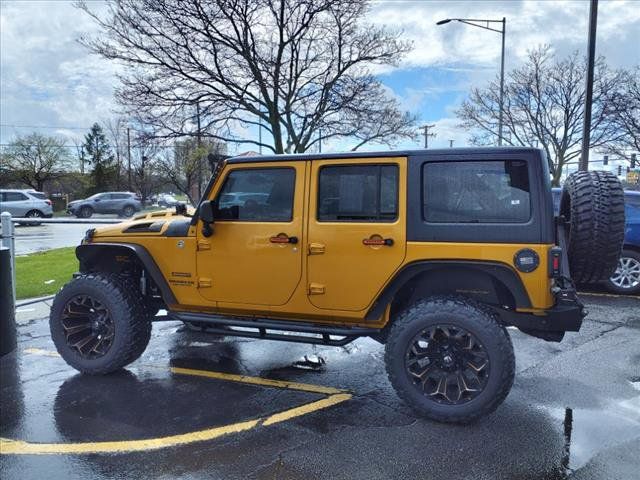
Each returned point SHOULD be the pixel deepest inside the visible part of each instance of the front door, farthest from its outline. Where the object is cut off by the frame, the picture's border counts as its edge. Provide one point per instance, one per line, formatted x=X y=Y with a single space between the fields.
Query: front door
x=255 y=253
x=357 y=230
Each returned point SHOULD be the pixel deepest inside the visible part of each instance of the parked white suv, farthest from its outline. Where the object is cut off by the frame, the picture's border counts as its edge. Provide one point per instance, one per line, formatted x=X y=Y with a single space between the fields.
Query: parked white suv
x=26 y=204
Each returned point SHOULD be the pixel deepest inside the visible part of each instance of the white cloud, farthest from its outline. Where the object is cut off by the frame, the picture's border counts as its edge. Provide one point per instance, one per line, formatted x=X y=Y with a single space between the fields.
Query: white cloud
x=529 y=23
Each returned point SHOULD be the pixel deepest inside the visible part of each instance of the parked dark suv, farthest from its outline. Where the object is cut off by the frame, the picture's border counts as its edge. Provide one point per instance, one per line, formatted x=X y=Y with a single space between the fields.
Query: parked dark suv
x=122 y=203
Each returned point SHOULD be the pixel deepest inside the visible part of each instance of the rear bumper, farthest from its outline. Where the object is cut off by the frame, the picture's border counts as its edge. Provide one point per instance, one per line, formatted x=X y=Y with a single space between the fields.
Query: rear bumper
x=565 y=316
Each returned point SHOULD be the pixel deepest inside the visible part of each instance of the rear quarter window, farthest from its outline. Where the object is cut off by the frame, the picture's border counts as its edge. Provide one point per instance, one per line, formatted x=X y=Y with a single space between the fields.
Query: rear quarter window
x=476 y=192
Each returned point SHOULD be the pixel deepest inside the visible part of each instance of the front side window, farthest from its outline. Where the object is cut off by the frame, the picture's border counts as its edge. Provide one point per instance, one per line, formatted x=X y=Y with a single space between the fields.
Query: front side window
x=358 y=193
x=476 y=192
x=257 y=195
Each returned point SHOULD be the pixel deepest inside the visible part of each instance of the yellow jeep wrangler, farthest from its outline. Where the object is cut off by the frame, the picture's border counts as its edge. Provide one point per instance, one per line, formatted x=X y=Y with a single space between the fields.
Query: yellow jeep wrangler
x=431 y=252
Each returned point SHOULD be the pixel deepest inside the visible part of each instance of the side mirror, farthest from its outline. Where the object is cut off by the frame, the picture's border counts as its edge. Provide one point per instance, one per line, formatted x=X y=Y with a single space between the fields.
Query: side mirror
x=205 y=212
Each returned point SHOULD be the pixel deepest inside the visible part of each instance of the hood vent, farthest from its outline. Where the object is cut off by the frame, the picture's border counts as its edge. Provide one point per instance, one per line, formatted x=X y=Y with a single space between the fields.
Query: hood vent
x=145 y=227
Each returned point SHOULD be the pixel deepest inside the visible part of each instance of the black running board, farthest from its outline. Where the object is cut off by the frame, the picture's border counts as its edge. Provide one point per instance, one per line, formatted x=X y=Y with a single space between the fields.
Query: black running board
x=299 y=332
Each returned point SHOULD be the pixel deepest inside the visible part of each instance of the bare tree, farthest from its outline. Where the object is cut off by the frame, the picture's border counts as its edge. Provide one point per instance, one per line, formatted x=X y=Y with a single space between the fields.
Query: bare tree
x=294 y=68
x=544 y=107
x=36 y=159
x=624 y=108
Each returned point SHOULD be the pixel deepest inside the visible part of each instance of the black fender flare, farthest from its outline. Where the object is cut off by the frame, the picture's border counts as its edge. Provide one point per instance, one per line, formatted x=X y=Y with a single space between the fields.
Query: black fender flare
x=89 y=253
x=499 y=271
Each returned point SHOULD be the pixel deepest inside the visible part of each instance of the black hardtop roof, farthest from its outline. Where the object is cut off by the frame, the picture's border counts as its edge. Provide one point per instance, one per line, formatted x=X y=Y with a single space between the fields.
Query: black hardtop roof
x=388 y=153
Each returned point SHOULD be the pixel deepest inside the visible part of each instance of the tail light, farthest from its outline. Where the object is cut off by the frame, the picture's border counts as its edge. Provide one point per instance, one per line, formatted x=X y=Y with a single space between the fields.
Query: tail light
x=555 y=262
x=48 y=202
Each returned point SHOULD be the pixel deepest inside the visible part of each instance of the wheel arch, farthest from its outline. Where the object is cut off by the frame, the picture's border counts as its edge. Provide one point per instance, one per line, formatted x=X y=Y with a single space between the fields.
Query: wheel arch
x=487 y=282
x=118 y=256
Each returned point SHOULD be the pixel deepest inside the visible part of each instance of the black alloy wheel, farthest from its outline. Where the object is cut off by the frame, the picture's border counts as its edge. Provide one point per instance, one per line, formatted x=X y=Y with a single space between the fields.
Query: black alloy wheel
x=449 y=358
x=447 y=364
x=88 y=327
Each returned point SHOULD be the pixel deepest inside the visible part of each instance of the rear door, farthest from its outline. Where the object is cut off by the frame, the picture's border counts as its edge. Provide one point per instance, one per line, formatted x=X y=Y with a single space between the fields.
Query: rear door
x=357 y=230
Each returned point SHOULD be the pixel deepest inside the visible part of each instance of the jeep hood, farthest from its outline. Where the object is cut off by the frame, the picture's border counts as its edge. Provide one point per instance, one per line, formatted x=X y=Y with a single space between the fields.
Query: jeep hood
x=145 y=224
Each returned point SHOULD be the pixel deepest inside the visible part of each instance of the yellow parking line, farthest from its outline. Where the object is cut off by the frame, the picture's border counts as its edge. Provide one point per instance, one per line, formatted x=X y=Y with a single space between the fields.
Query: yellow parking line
x=335 y=396
x=17 y=447
x=305 y=409
x=40 y=351
x=267 y=382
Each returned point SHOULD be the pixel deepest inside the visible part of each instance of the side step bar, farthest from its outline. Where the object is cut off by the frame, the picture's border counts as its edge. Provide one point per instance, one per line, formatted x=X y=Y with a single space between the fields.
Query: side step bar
x=259 y=328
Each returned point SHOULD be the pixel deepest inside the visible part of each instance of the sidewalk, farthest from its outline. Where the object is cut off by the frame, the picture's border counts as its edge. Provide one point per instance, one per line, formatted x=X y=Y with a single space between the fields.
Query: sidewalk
x=33 y=311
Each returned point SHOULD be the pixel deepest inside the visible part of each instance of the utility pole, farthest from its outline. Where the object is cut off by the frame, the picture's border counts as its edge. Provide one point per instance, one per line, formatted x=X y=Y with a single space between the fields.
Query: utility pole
x=586 y=129
x=450 y=143
x=427 y=134
x=319 y=140
x=501 y=113
x=260 y=132
x=129 y=156
x=199 y=157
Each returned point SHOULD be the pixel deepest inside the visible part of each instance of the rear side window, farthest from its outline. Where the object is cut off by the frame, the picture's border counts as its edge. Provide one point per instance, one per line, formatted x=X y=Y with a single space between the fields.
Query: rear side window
x=120 y=196
x=14 y=197
x=476 y=192
x=39 y=195
x=358 y=193
x=257 y=195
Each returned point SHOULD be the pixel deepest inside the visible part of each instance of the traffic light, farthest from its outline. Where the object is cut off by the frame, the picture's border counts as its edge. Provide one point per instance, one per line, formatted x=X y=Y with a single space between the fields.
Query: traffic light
x=605 y=160
x=619 y=170
x=633 y=160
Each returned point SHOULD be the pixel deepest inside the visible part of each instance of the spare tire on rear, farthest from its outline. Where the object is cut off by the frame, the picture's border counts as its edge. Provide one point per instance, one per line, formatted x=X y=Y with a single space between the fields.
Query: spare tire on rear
x=593 y=206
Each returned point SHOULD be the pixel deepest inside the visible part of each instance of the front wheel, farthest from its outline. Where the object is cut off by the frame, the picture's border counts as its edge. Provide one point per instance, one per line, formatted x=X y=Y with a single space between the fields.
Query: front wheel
x=450 y=360
x=33 y=214
x=86 y=212
x=626 y=278
x=98 y=324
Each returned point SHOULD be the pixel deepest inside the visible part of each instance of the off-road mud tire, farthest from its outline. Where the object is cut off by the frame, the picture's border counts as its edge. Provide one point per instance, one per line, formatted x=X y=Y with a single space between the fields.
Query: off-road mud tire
x=132 y=326
x=593 y=204
x=476 y=319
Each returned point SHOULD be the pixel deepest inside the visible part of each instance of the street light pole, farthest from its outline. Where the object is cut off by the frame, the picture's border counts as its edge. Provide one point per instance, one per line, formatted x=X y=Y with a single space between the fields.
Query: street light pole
x=501 y=114
x=476 y=22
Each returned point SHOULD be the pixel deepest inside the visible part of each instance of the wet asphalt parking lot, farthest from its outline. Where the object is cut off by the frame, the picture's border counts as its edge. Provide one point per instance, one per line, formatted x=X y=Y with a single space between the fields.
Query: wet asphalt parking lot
x=201 y=406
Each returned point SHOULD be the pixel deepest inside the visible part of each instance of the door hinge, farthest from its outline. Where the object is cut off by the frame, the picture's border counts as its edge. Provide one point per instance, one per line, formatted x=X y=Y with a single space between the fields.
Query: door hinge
x=204 y=283
x=316 y=289
x=316 y=248
x=204 y=245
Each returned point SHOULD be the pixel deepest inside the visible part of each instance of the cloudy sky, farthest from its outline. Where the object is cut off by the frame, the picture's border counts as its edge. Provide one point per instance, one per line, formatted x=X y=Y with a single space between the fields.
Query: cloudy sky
x=49 y=83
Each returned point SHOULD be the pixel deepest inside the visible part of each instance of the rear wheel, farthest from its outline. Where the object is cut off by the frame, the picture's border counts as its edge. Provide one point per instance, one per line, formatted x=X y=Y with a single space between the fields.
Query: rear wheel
x=128 y=211
x=593 y=205
x=626 y=278
x=98 y=324
x=34 y=214
x=450 y=360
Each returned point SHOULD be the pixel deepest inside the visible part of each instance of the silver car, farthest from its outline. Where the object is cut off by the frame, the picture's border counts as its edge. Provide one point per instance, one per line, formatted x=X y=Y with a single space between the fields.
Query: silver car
x=26 y=204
